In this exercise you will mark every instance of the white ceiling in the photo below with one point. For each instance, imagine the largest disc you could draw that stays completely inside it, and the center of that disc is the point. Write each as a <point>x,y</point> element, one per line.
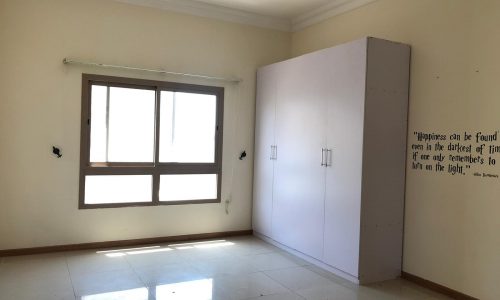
<point>286,15</point>
<point>274,8</point>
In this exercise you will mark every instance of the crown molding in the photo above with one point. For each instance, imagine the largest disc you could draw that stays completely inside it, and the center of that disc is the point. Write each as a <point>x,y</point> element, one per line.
<point>324,12</point>
<point>201,9</point>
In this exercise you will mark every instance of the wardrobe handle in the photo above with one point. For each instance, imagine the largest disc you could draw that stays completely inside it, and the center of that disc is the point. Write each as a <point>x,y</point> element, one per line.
<point>274,152</point>
<point>323,157</point>
<point>329,157</point>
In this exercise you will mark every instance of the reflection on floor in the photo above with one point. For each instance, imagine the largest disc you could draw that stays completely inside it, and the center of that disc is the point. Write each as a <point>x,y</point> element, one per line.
<point>234,268</point>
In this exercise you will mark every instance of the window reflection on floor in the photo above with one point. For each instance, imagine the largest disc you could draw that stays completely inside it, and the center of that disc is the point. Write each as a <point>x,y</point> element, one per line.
<point>133,294</point>
<point>189,290</point>
<point>156,249</point>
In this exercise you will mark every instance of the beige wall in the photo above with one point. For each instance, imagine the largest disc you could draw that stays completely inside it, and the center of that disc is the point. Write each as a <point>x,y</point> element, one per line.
<point>452,222</point>
<point>40,106</point>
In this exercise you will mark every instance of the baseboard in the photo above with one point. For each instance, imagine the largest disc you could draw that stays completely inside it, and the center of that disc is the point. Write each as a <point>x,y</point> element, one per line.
<point>122,243</point>
<point>436,287</point>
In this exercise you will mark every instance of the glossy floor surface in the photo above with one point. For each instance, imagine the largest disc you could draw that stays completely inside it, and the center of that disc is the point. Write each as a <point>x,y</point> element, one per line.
<point>233,268</point>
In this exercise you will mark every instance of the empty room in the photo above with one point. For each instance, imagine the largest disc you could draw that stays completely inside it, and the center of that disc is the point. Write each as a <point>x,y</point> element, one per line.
<point>249,149</point>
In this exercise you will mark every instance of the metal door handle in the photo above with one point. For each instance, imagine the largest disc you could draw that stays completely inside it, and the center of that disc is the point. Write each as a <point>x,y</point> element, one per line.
<point>329,157</point>
<point>274,152</point>
<point>323,157</point>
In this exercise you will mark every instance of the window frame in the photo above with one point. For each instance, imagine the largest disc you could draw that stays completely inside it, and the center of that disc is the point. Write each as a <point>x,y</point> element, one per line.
<point>155,169</point>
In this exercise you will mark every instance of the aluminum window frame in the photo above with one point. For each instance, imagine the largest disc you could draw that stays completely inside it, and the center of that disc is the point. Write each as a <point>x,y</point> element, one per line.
<point>155,169</point>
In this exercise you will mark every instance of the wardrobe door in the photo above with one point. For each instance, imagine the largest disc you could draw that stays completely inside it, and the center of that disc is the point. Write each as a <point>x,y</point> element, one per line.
<point>300,136</point>
<point>264,141</point>
<point>345,144</point>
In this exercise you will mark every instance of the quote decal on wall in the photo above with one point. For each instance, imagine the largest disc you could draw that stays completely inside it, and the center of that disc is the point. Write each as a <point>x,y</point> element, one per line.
<point>466,153</point>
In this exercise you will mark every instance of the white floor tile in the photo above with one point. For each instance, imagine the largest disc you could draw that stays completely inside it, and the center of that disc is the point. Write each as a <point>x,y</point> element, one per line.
<point>340,292</point>
<point>193,255</point>
<point>44,293</point>
<point>397,289</point>
<point>95,263</point>
<point>140,293</point>
<point>105,282</point>
<point>230,265</point>
<point>34,269</point>
<point>247,286</point>
<point>271,261</point>
<point>298,278</point>
<point>202,289</point>
<point>148,259</point>
<point>37,287</point>
<point>166,274</point>
<point>331,276</point>
<point>224,269</point>
<point>297,260</point>
<point>328,292</point>
<point>284,296</point>
<point>251,246</point>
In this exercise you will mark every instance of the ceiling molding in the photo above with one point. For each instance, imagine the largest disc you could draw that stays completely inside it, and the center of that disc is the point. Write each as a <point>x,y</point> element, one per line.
<point>201,9</point>
<point>324,12</point>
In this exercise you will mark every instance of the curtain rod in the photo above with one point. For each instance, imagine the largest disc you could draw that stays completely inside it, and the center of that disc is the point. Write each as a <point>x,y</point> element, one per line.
<point>68,61</point>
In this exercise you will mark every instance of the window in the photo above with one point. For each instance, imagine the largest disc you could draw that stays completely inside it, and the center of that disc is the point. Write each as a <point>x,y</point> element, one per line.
<point>149,142</point>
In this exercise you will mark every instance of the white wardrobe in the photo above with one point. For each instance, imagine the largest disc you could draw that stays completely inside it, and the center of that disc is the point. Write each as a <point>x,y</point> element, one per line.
<point>330,151</point>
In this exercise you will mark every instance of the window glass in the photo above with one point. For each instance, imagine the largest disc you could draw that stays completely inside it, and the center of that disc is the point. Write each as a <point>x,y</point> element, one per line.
<point>131,125</point>
<point>98,124</point>
<point>105,189</point>
<point>188,187</point>
<point>187,127</point>
<point>122,127</point>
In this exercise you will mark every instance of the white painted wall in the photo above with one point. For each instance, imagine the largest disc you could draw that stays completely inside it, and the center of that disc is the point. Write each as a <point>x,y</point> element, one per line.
<point>40,101</point>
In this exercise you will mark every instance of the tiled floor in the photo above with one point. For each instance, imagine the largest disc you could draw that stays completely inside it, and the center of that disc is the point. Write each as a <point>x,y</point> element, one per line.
<point>234,268</point>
